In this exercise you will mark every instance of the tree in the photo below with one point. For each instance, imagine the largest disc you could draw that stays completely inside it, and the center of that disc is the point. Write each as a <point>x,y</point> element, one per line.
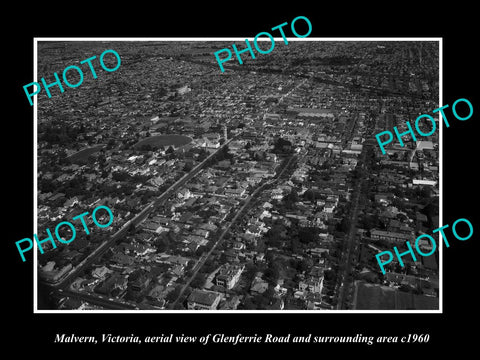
<point>259,155</point>
<point>344,225</point>
<point>296,246</point>
<point>162,244</point>
<point>188,166</point>
<point>291,198</point>
<point>271,275</point>
<point>172,295</point>
<point>425,192</point>
<point>330,275</point>
<point>201,249</point>
<point>223,154</point>
<point>273,242</point>
<point>120,175</point>
<point>198,281</point>
<point>276,231</point>
<point>303,265</point>
<point>307,235</point>
<point>110,144</point>
<point>310,195</point>
<point>248,304</point>
<point>250,271</point>
<point>209,266</point>
<point>223,259</point>
<point>369,222</point>
<point>260,301</point>
<point>282,146</point>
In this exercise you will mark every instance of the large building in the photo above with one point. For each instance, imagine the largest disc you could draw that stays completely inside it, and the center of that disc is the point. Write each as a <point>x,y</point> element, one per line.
<point>203,300</point>
<point>390,235</point>
<point>228,275</point>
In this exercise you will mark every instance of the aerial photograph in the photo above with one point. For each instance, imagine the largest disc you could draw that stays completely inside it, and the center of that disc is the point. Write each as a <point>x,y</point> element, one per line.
<point>260,188</point>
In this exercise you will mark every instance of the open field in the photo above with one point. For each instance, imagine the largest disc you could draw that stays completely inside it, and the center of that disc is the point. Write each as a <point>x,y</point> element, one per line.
<point>164,140</point>
<point>85,153</point>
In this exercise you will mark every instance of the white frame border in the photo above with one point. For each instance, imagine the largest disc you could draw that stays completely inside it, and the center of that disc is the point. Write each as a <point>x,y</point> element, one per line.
<point>179,39</point>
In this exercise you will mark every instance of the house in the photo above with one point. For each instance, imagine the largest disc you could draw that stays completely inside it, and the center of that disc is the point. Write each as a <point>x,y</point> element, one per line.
<point>178,270</point>
<point>253,230</point>
<point>201,232</point>
<point>54,275</point>
<point>234,192</point>
<point>157,292</point>
<point>156,181</point>
<point>276,304</point>
<point>231,255</point>
<point>313,285</point>
<point>318,252</point>
<point>100,272</point>
<point>381,198</point>
<point>329,208</point>
<point>123,259</point>
<point>120,282</point>
<point>71,202</point>
<point>140,283</point>
<point>138,249</point>
<point>314,305</point>
<point>203,300</point>
<point>116,281</point>
<point>231,304</point>
<point>277,194</point>
<point>259,286</point>
<point>184,194</point>
<point>267,205</point>
<point>179,260</point>
<point>299,294</point>
<point>238,246</point>
<point>57,196</point>
<point>260,257</point>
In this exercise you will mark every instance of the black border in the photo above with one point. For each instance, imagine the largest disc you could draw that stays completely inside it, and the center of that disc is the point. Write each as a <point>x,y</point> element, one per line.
<point>455,25</point>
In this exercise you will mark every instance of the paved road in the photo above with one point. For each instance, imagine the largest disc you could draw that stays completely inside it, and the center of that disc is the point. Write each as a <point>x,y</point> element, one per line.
<point>98,300</point>
<point>345,284</point>
<point>102,248</point>
<point>238,215</point>
<point>239,212</point>
<point>64,281</point>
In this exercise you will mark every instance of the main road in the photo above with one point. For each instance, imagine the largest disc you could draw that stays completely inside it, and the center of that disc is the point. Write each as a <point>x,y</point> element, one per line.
<point>241,210</point>
<point>345,284</point>
<point>238,214</point>
<point>95,299</point>
<point>103,247</point>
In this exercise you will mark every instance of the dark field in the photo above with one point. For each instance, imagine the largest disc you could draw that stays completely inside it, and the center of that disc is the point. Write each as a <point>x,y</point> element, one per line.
<point>377,297</point>
<point>164,140</point>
